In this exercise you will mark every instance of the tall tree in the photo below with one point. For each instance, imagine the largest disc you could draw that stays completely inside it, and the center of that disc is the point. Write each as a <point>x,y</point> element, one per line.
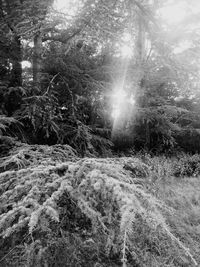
<point>9,15</point>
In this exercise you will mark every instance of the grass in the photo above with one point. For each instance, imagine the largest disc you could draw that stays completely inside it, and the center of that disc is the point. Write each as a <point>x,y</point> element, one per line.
<point>184,196</point>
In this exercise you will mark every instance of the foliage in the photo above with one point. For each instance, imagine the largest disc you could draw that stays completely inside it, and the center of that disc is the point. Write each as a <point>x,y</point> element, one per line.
<point>94,204</point>
<point>8,129</point>
<point>78,65</point>
<point>5,122</point>
<point>188,139</point>
<point>23,155</point>
<point>163,167</point>
<point>183,196</point>
<point>187,165</point>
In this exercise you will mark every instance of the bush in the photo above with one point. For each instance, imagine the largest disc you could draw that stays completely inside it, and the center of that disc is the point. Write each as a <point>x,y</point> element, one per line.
<point>187,165</point>
<point>87,212</point>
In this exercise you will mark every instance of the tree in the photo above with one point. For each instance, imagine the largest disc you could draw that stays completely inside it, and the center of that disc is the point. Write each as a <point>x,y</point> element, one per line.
<point>9,11</point>
<point>77,63</point>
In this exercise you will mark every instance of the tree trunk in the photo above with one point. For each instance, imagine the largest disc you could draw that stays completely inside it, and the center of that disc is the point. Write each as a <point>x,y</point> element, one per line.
<point>147,144</point>
<point>16,60</point>
<point>140,47</point>
<point>37,61</point>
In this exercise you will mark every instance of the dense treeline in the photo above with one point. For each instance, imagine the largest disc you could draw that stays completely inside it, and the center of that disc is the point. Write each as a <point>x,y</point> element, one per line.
<point>66,95</point>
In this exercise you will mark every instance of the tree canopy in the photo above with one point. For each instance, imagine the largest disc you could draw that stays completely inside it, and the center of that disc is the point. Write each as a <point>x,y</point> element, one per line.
<point>101,74</point>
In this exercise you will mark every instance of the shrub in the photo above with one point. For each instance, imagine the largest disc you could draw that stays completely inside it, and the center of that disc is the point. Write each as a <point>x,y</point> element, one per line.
<point>187,165</point>
<point>86,212</point>
<point>7,134</point>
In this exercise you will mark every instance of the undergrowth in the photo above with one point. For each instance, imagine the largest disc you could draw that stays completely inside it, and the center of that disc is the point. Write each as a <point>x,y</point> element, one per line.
<point>181,165</point>
<point>58,210</point>
<point>23,155</point>
<point>184,196</point>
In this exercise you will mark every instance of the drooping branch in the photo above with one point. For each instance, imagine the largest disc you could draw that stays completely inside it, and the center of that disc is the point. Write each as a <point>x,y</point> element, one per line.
<point>63,37</point>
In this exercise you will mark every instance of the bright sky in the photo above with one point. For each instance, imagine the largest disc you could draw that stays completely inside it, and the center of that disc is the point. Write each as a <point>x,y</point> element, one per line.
<point>68,7</point>
<point>182,47</point>
<point>62,5</point>
<point>173,14</point>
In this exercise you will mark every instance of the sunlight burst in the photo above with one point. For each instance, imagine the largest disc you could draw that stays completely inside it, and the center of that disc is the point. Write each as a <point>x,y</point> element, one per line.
<point>115,113</point>
<point>119,97</point>
<point>61,5</point>
<point>131,100</point>
<point>121,102</point>
<point>126,51</point>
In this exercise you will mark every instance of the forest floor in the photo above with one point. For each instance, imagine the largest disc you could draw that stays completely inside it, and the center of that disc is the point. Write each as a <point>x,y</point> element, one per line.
<point>61,210</point>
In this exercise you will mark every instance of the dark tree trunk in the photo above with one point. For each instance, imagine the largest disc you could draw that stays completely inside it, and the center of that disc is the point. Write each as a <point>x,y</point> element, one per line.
<point>37,61</point>
<point>16,60</point>
<point>147,144</point>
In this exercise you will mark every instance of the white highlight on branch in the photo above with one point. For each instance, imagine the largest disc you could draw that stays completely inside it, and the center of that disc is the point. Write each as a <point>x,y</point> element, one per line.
<point>26,64</point>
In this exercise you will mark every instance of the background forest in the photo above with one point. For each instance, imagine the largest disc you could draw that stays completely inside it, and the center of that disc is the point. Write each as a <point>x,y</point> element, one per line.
<point>99,133</point>
<point>100,72</point>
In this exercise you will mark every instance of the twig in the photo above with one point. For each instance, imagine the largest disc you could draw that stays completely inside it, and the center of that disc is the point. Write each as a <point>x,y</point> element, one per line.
<point>4,257</point>
<point>50,83</point>
<point>182,246</point>
<point>124,260</point>
<point>71,95</point>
